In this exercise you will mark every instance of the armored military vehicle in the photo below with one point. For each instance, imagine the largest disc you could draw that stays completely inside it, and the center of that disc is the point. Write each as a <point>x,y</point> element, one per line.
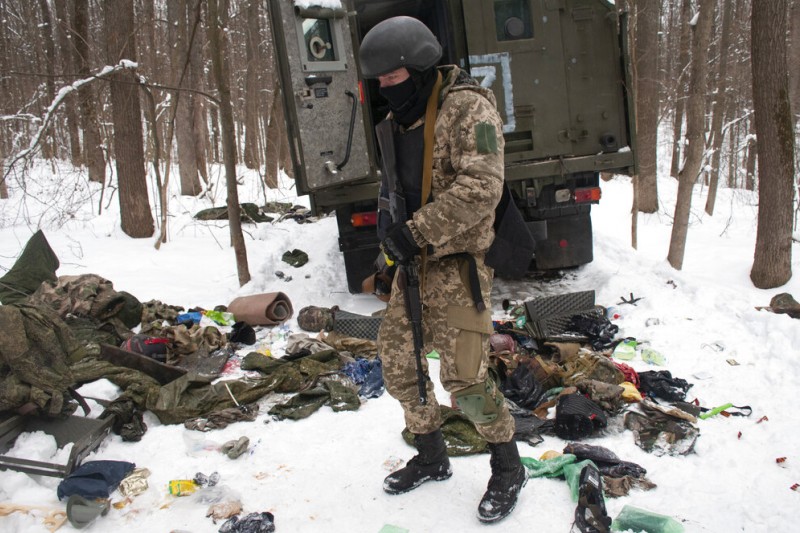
<point>559,70</point>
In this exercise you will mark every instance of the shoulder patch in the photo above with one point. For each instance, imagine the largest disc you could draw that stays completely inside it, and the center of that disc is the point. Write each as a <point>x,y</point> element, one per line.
<point>485,138</point>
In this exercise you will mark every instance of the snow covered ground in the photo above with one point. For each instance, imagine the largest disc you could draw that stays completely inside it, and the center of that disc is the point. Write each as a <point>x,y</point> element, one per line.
<point>324,473</point>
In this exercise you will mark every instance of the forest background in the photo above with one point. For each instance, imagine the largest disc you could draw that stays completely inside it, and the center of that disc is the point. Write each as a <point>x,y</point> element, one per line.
<point>120,86</point>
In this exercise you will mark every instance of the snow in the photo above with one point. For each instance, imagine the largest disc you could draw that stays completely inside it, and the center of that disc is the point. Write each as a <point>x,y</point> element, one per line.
<point>325,473</point>
<point>304,4</point>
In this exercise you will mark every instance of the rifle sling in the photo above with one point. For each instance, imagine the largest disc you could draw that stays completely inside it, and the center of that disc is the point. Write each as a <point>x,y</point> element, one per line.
<point>427,160</point>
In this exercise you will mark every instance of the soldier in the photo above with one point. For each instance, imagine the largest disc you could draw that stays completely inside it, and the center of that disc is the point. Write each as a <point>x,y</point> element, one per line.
<point>450,229</point>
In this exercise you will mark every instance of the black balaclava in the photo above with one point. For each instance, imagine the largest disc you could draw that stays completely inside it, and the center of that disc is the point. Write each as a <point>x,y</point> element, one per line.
<point>408,99</point>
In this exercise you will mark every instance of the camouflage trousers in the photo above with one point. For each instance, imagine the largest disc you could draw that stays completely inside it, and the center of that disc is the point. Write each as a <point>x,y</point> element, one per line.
<point>456,330</point>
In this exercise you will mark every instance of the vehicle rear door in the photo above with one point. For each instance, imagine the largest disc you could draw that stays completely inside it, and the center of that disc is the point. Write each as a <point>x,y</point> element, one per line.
<point>321,95</point>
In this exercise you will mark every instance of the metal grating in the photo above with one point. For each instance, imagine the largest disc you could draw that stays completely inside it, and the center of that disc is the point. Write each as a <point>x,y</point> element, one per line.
<point>355,325</point>
<point>548,316</point>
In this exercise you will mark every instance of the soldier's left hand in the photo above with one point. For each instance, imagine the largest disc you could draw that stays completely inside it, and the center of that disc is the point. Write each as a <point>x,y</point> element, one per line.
<point>399,244</point>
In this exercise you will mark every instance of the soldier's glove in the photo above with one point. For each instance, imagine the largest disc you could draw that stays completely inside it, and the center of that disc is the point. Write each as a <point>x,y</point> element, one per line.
<point>399,245</point>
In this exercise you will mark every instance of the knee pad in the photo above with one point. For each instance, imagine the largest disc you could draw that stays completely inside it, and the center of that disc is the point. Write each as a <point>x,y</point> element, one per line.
<point>480,402</point>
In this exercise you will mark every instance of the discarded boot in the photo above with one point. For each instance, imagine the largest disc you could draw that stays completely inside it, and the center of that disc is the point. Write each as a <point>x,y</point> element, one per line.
<point>430,464</point>
<point>508,478</point>
<point>590,514</point>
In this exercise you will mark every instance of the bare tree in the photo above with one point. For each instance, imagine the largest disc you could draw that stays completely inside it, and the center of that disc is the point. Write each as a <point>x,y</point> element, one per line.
<point>274,138</point>
<point>680,87</point>
<point>48,144</point>
<point>217,24</point>
<point>695,125</point>
<point>772,264</point>
<point>65,56</point>
<point>92,150</point>
<point>647,104</point>
<point>720,109</point>
<point>252,85</point>
<point>137,220</point>
<point>183,23</point>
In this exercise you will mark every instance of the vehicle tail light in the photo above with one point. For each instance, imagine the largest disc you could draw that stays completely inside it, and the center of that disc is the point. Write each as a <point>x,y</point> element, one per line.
<point>360,92</point>
<point>360,220</point>
<point>587,194</point>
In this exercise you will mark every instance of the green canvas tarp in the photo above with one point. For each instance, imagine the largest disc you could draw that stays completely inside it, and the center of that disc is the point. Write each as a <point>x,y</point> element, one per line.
<point>36,263</point>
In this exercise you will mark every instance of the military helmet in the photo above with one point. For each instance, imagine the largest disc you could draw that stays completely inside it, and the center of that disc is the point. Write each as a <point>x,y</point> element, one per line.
<point>398,42</point>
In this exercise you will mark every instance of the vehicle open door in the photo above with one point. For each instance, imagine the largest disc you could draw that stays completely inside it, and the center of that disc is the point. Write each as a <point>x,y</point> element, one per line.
<point>322,98</point>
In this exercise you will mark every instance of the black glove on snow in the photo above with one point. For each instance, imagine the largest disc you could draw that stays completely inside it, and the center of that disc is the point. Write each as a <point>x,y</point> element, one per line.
<point>399,245</point>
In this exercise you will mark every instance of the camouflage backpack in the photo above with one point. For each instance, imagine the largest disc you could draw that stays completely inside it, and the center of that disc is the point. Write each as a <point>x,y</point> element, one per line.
<point>590,365</point>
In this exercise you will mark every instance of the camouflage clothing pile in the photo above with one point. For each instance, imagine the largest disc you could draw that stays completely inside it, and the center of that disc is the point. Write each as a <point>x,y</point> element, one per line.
<point>36,350</point>
<point>88,295</point>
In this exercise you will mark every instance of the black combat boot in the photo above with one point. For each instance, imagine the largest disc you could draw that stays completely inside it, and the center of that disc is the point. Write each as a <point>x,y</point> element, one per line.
<point>430,464</point>
<point>508,478</point>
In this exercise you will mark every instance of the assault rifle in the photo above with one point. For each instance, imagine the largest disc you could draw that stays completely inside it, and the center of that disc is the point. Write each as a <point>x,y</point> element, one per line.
<point>408,275</point>
<point>409,282</point>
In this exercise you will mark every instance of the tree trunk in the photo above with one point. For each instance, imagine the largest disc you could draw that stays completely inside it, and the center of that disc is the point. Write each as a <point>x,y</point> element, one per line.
<point>65,59</point>
<point>214,141</point>
<point>180,33</point>
<point>772,264</point>
<point>646,33</point>
<point>274,139</point>
<point>149,65</point>
<point>794,86</point>
<point>217,22</point>
<point>695,125</point>
<point>196,80</point>
<point>3,186</point>
<point>750,165</point>
<point>137,220</point>
<point>680,88</point>
<point>252,100</point>
<point>48,141</point>
<point>720,105</point>
<point>794,57</point>
<point>92,151</point>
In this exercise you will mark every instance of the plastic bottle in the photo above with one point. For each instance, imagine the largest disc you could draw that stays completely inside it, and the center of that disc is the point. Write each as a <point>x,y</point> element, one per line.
<point>635,519</point>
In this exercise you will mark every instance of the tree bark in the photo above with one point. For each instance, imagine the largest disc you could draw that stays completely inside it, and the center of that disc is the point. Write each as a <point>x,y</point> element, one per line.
<point>197,81</point>
<point>67,69</point>
<point>695,126</point>
<point>180,33</point>
<point>48,141</point>
<point>217,23</point>
<point>646,33</point>
<point>92,150</point>
<point>136,218</point>
<point>794,57</point>
<point>751,158</point>
<point>252,100</point>
<point>772,264</point>
<point>274,138</point>
<point>680,88</point>
<point>720,105</point>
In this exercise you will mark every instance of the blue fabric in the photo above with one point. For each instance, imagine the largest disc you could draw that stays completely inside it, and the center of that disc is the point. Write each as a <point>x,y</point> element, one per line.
<point>193,317</point>
<point>368,374</point>
<point>94,479</point>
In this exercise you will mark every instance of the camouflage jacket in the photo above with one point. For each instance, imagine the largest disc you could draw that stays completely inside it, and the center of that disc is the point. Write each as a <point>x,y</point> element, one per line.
<point>467,179</point>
